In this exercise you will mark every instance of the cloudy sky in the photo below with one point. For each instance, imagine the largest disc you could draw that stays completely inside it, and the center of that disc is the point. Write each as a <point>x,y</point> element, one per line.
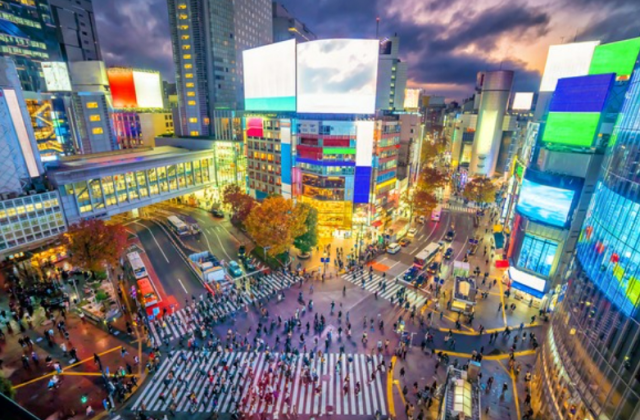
<point>445,42</point>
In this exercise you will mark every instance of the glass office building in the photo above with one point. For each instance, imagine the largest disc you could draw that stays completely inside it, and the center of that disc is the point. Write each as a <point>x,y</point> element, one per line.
<point>589,367</point>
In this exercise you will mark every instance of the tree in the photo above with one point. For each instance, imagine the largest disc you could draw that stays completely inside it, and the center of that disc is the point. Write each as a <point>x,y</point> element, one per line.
<point>481,190</point>
<point>275,223</point>
<point>240,202</point>
<point>431,179</point>
<point>6,387</point>
<point>420,202</point>
<point>93,243</point>
<point>430,150</point>
<point>309,239</point>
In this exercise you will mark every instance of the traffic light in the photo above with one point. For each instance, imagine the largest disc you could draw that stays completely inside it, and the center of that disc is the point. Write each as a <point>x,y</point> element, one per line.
<point>84,399</point>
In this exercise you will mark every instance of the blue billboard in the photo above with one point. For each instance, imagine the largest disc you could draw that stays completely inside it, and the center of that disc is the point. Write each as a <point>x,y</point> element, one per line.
<point>582,94</point>
<point>546,204</point>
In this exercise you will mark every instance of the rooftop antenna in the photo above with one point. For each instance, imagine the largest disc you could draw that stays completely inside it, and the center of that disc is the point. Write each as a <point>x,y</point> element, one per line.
<point>378,27</point>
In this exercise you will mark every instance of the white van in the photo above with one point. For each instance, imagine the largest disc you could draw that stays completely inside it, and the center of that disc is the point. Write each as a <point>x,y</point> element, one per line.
<point>393,248</point>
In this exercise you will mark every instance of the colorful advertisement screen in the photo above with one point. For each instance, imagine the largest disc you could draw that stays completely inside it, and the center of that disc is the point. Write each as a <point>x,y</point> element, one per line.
<point>566,60</point>
<point>148,89</point>
<point>270,77</point>
<point>571,128</point>
<point>56,76</point>
<point>123,89</point>
<point>544,203</point>
<point>582,94</point>
<point>337,76</point>
<point>522,101</point>
<point>616,57</point>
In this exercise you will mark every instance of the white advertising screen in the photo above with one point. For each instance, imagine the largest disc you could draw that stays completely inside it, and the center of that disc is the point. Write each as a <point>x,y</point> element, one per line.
<point>411,98</point>
<point>567,60</point>
<point>148,89</point>
<point>522,101</point>
<point>56,76</point>
<point>364,142</point>
<point>337,76</point>
<point>270,77</point>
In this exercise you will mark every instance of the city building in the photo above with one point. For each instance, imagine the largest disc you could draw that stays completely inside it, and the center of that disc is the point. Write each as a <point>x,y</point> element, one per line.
<point>208,38</point>
<point>76,30</point>
<point>411,136</point>
<point>51,122</point>
<point>28,35</point>
<point>392,76</point>
<point>286,26</point>
<point>92,107</point>
<point>495,90</point>
<point>136,129</point>
<point>588,366</point>
<point>29,215</point>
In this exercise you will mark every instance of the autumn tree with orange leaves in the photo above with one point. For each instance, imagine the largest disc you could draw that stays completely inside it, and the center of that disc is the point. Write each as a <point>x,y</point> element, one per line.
<point>93,243</point>
<point>275,223</point>
<point>240,202</point>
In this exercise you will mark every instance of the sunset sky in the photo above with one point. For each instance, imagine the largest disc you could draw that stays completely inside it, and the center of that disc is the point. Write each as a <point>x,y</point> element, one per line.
<point>445,42</point>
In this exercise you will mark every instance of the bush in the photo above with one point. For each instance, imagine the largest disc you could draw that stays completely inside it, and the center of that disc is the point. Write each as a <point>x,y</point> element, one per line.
<point>101,296</point>
<point>6,387</point>
<point>100,275</point>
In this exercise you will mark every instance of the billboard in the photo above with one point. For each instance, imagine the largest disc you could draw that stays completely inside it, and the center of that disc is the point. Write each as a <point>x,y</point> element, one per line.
<point>571,128</point>
<point>544,203</point>
<point>337,76</point>
<point>582,94</point>
<point>148,87</point>
<point>522,101</point>
<point>411,98</point>
<point>616,57</point>
<point>270,77</point>
<point>566,60</point>
<point>56,76</point>
<point>123,88</point>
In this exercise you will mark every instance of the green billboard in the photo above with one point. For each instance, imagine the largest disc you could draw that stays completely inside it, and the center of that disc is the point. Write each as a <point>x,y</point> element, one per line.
<point>571,128</point>
<point>616,57</point>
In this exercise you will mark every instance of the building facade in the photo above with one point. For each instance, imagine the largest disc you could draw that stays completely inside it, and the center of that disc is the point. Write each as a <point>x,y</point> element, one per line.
<point>76,30</point>
<point>589,365</point>
<point>392,76</point>
<point>286,26</point>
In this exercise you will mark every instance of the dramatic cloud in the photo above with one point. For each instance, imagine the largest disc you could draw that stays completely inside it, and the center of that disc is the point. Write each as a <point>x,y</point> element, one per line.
<point>445,42</point>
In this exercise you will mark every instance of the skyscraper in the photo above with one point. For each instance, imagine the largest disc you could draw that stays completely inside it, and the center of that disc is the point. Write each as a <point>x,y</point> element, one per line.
<point>76,29</point>
<point>208,37</point>
<point>392,76</point>
<point>286,26</point>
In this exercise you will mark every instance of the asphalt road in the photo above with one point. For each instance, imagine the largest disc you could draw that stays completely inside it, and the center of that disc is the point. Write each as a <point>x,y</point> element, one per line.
<point>176,277</point>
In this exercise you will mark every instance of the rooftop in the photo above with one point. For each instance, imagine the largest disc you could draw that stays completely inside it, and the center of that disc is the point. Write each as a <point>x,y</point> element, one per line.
<point>120,157</point>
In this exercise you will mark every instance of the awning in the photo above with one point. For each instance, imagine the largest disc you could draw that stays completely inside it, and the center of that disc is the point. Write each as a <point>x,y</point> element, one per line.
<point>528,283</point>
<point>502,263</point>
<point>527,289</point>
<point>498,237</point>
<point>377,223</point>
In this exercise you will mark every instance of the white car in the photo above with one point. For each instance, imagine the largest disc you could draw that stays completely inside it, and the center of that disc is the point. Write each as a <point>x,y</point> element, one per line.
<point>411,233</point>
<point>393,248</point>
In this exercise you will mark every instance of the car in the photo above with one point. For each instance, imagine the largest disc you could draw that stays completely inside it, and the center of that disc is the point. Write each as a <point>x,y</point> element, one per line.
<point>234,269</point>
<point>412,232</point>
<point>218,213</point>
<point>449,236</point>
<point>393,248</point>
<point>473,249</point>
<point>242,251</point>
<point>448,254</point>
<point>404,242</point>
<point>248,265</point>
<point>433,268</point>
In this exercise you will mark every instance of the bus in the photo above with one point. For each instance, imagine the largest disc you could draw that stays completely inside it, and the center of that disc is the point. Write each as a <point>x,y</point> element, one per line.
<point>179,227</point>
<point>191,223</point>
<point>424,257</point>
<point>137,266</point>
<point>147,293</point>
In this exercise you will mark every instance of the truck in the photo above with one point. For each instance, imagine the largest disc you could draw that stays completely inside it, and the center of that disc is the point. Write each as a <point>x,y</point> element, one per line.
<point>207,266</point>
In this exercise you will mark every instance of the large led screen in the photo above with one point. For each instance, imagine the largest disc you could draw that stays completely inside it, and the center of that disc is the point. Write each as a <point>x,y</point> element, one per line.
<point>582,94</point>
<point>123,89</point>
<point>270,77</point>
<point>543,203</point>
<point>566,60</point>
<point>522,101</point>
<point>56,76</point>
<point>571,128</point>
<point>148,89</point>
<point>337,76</point>
<point>616,57</point>
<point>411,98</point>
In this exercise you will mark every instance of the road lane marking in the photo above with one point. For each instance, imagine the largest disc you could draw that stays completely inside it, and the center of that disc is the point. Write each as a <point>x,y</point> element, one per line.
<point>222,246</point>
<point>183,288</point>
<point>464,245</point>
<point>155,240</point>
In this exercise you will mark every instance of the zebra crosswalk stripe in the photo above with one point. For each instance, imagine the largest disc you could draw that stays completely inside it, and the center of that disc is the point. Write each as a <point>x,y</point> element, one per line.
<point>392,288</point>
<point>304,398</point>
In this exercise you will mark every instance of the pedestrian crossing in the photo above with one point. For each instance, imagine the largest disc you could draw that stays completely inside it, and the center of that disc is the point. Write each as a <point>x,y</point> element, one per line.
<point>459,207</point>
<point>391,292</point>
<point>259,383</point>
<point>185,320</point>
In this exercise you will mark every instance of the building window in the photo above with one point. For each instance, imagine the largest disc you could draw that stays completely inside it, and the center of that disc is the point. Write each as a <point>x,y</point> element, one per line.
<point>92,105</point>
<point>182,6</point>
<point>192,103</point>
<point>94,118</point>
<point>193,120</point>
<point>190,85</point>
<point>186,47</point>
<point>537,255</point>
<point>195,133</point>
<point>97,130</point>
<point>191,94</point>
<point>183,16</point>
<point>189,75</point>
<point>186,57</point>
<point>183,27</point>
<point>185,37</point>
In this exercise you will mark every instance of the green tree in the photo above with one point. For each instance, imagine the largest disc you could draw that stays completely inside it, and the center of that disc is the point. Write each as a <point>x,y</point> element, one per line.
<point>309,239</point>
<point>481,190</point>
<point>6,387</point>
<point>275,223</point>
<point>93,243</point>
<point>240,203</point>
<point>420,202</point>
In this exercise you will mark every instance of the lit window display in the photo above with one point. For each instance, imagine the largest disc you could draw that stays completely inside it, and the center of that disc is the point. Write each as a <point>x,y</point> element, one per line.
<point>537,255</point>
